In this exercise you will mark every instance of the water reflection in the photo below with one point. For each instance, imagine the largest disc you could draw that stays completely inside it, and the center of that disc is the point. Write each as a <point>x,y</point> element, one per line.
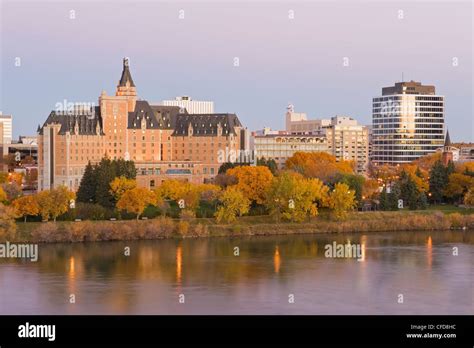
<point>217,282</point>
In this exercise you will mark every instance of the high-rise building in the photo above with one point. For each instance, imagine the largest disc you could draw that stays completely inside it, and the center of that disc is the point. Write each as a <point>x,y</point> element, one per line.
<point>191,106</point>
<point>163,141</point>
<point>407,123</point>
<point>349,141</point>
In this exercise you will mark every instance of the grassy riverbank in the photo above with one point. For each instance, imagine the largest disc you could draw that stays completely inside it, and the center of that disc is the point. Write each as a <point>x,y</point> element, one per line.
<point>162,227</point>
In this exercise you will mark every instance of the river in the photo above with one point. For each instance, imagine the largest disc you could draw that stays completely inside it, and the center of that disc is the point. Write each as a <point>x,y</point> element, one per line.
<point>398,273</point>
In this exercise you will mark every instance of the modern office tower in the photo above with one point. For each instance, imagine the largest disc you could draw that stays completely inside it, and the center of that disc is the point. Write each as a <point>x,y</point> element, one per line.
<point>164,142</point>
<point>281,145</point>
<point>191,106</point>
<point>408,123</point>
<point>349,141</point>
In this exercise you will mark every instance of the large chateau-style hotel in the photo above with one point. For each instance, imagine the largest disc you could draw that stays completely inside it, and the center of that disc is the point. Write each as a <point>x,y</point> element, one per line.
<point>163,141</point>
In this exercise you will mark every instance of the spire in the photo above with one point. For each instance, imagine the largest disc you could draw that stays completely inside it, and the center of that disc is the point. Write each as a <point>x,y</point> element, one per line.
<point>447,141</point>
<point>126,76</point>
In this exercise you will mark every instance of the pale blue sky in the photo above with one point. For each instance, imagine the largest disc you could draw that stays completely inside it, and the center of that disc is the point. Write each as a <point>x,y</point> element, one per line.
<point>281,60</point>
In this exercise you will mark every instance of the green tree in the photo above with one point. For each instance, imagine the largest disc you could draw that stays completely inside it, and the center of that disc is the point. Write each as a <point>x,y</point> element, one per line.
<point>438,181</point>
<point>269,163</point>
<point>355,183</point>
<point>393,197</point>
<point>88,186</point>
<point>408,191</point>
<point>384,203</point>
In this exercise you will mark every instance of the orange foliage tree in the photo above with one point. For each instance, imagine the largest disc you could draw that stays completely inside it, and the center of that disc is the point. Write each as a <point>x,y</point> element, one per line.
<point>252,181</point>
<point>319,165</point>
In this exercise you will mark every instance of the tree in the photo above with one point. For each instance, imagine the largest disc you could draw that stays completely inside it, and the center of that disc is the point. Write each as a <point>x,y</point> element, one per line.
<point>12,190</point>
<point>319,165</point>
<point>469,197</point>
<point>422,201</point>
<point>88,186</point>
<point>341,200</point>
<point>355,183</point>
<point>26,206</point>
<point>3,196</point>
<point>384,202</point>
<point>438,181</point>
<point>393,197</point>
<point>408,190</point>
<point>55,202</point>
<point>136,200</point>
<point>229,165</point>
<point>120,185</point>
<point>269,163</point>
<point>253,181</point>
<point>293,197</point>
<point>458,186</point>
<point>45,202</point>
<point>95,183</point>
<point>61,198</point>
<point>7,223</point>
<point>233,203</point>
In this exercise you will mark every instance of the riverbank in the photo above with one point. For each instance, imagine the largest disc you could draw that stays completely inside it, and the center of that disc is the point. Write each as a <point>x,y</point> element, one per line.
<point>163,227</point>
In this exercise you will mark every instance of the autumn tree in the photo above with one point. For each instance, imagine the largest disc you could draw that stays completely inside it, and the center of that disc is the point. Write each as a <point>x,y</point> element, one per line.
<point>8,226</point>
<point>55,202</point>
<point>119,185</point>
<point>136,200</point>
<point>341,200</point>
<point>26,206</point>
<point>320,165</point>
<point>293,197</point>
<point>458,185</point>
<point>3,196</point>
<point>253,181</point>
<point>233,203</point>
<point>469,197</point>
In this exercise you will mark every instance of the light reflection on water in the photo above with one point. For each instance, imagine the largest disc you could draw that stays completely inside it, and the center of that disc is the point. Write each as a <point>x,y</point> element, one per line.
<point>420,265</point>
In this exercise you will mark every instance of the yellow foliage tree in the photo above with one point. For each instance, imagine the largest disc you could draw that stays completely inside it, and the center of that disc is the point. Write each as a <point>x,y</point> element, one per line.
<point>319,165</point>
<point>234,203</point>
<point>121,184</point>
<point>469,198</point>
<point>252,181</point>
<point>136,200</point>
<point>458,185</point>
<point>26,205</point>
<point>3,195</point>
<point>55,202</point>
<point>342,200</point>
<point>293,197</point>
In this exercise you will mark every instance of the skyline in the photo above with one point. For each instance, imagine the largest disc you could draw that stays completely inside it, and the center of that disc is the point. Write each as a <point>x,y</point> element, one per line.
<point>288,68</point>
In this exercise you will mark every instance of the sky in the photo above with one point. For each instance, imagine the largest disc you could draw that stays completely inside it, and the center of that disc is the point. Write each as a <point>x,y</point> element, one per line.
<point>288,52</point>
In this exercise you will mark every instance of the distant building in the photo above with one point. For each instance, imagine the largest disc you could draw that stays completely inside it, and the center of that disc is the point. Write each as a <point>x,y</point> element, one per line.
<point>191,106</point>
<point>5,131</point>
<point>408,123</point>
<point>349,141</point>
<point>281,145</point>
<point>25,148</point>
<point>298,123</point>
<point>163,141</point>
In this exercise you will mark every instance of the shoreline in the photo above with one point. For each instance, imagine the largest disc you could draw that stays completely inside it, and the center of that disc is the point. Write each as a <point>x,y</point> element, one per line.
<point>165,228</point>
